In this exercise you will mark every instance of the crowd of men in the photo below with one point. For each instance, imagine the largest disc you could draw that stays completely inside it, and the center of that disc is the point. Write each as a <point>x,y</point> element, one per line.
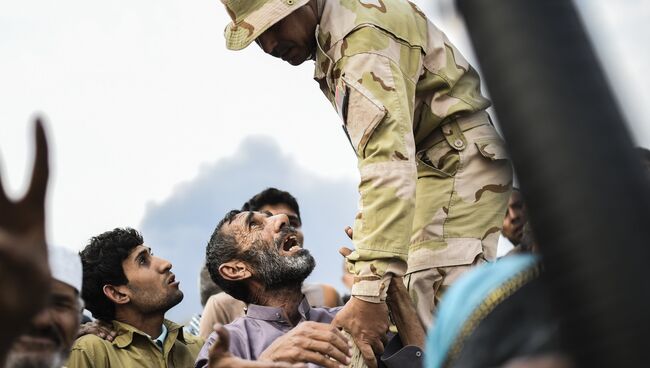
<point>426,288</point>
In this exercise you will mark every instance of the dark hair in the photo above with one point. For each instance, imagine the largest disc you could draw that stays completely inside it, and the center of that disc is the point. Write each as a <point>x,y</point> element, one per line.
<point>102,264</point>
<point>207,287</point>
<point>272,196</point>
<point>223,248</point>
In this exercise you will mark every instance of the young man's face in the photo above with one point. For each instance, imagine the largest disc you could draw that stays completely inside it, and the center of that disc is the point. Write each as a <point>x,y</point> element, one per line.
<point>51,332</point>
<point>292,39</point>
<point>151,286</point>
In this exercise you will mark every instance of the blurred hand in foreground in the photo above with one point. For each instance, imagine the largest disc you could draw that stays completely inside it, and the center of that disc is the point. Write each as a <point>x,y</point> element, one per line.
<point>24,271</point>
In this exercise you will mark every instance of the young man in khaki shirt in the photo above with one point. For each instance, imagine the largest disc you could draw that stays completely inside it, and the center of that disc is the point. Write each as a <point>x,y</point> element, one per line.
<point>126,285</point>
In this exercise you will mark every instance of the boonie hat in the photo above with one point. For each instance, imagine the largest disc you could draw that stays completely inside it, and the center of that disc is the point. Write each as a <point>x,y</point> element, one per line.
<point>250,18</point>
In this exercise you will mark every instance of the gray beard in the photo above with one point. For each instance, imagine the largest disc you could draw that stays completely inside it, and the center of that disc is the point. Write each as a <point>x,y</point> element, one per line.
<point>33,360</point>
<point>279,272</point>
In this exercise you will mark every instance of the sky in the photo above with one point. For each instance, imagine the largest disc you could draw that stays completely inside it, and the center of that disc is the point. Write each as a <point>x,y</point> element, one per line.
<point>154,124</point>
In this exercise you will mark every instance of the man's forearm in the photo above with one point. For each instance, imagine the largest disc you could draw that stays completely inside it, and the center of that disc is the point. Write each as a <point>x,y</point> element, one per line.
<point>404,314</point>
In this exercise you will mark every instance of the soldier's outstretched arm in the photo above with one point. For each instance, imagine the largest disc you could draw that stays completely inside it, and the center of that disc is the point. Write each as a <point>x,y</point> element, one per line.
<point>375,96</point>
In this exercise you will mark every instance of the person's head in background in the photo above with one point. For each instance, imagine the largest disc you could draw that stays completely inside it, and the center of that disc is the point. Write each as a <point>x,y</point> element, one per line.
<point>516,217</point>
<point>207,287</point>
<point>277,202</point>
<point>50,335</point>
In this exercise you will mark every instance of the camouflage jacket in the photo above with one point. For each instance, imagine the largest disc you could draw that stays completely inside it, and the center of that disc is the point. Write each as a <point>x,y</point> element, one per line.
<point>394,78</point>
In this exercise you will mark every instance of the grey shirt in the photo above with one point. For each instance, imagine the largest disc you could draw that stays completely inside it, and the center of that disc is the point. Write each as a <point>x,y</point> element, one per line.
<point>251,334</point>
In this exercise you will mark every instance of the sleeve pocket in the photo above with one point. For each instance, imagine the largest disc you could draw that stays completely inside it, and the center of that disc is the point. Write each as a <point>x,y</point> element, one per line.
<point>364,113</point>
<point>492,149</point>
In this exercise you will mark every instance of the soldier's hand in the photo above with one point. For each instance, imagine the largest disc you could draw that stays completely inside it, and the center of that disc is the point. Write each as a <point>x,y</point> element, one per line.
<point>220,357</point>
<point>310,342</point>
<point>368,324</point>
<point>97,328</point>
<point>24,271</point>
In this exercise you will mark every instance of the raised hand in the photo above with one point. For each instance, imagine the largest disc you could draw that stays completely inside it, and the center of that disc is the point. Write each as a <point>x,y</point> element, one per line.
<point>310,342</point>
<point>98,328</point>
<point>24,271</point>
<point>404,314</point>
<point>367,323</point>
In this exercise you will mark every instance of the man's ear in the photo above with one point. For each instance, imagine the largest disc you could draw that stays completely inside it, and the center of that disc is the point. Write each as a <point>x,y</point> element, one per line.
<point>116,294</point>
<point>235,271</point>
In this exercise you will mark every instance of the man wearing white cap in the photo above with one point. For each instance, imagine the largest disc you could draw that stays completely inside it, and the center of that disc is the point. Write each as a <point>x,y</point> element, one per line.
<point>47,341</point>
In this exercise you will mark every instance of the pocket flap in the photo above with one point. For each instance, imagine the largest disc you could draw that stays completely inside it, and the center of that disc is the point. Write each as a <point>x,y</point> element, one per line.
<point>363,114</point>
<point>492,148</point>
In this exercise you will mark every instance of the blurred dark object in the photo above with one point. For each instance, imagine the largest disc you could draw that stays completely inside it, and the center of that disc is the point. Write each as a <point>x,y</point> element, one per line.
<point>644,155</point>
<point>587,196</point>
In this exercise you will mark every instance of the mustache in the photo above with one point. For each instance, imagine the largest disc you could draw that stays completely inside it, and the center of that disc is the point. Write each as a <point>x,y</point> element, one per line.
<point>284,233</point>
<point>45,332</point>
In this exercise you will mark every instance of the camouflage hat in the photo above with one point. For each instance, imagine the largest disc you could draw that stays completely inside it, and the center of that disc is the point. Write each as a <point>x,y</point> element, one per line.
<point>250,18</point>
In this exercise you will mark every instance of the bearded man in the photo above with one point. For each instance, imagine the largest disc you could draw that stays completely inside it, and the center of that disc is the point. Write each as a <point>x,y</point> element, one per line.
<point>258,257</point>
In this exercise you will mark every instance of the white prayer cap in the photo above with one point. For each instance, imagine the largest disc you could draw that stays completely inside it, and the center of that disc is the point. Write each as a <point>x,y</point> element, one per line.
<point>65,266</point>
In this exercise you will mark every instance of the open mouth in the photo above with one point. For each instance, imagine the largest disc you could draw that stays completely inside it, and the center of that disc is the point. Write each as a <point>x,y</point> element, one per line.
<point>291,244</point>
<point>172,279</point>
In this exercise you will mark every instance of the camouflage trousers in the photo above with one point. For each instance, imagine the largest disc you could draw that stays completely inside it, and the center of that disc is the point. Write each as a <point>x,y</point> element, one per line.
<point>464,182</point>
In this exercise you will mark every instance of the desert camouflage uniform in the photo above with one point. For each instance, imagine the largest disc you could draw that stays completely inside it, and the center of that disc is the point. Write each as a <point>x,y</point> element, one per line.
<point>435,178</point>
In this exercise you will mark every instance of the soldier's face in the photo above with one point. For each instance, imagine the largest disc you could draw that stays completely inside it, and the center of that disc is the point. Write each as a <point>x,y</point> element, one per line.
<point>293,38</point>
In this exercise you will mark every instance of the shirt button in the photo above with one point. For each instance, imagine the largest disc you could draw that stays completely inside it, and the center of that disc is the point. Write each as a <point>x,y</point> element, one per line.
<point>458,143</point>
<point>418,354</point>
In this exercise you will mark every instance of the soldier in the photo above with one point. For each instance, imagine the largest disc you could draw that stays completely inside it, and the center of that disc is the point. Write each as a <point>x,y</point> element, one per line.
<point>412,108</point>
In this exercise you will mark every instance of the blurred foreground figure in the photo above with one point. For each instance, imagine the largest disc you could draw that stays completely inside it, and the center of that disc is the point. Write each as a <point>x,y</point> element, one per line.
<point>588,199</point>
<point>412,109</point>
<point>24,273</point>
<point>258,258</point>
<point>50,334</point>
<point>498,315</point>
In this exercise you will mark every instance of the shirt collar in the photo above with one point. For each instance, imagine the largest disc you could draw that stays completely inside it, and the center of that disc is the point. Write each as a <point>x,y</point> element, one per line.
<point>125,333</point>
<point>274,314</point>
<point>160,340</point>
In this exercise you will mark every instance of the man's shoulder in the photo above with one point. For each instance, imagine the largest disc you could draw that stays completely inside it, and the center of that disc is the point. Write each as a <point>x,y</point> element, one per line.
<point>398,19</point>
<point>89,349</point>
<point>192,340</point>
<point>91,342</point>
<point>325,315</point>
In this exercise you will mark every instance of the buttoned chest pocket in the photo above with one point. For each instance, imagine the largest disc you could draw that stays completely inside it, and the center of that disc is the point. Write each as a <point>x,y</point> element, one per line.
<point>360,111</point>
